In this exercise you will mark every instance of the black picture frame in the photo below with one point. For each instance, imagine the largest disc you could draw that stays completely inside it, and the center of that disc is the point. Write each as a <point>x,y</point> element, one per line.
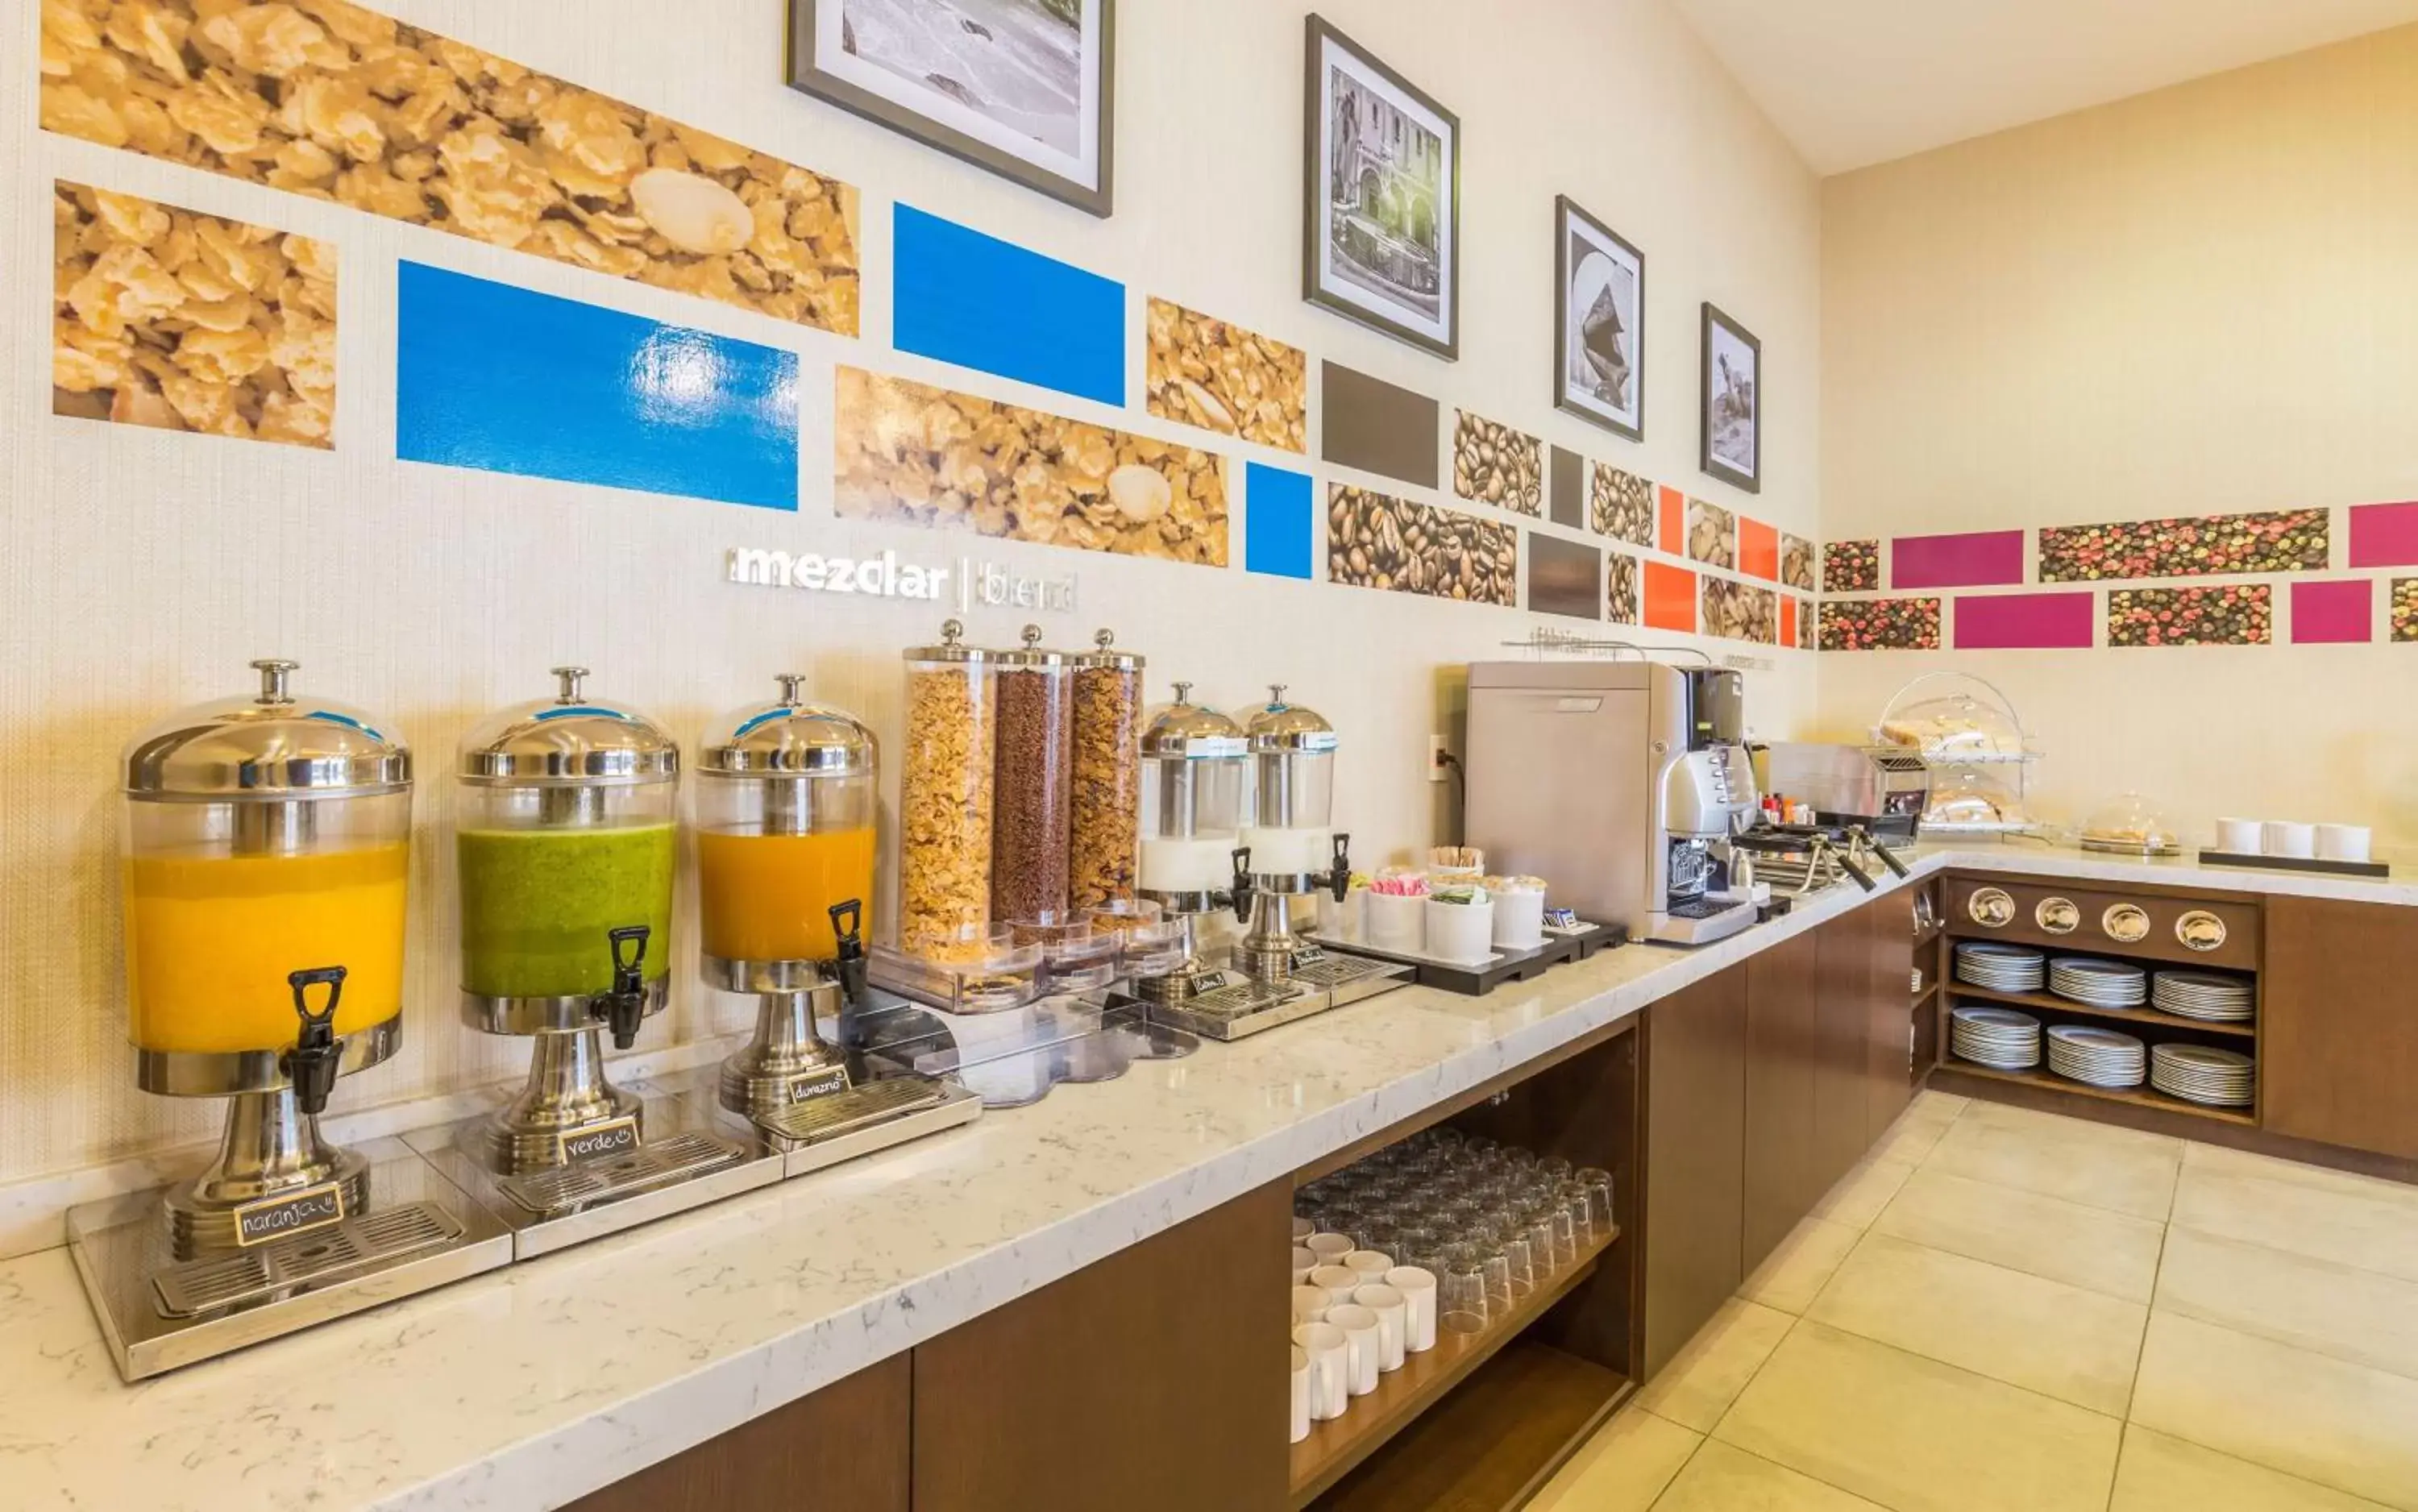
<point>1751,479</point>
<point>1316,152</point>
<point>1568,217</point>
<point>810,75</point>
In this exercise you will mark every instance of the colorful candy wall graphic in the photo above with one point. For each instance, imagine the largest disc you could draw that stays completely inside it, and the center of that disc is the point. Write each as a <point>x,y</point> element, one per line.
<point>2405,609</point>
<point>2234,614</point>
<point>2282,541</point>
<point>1880,625</point>
<point>1851,567</point>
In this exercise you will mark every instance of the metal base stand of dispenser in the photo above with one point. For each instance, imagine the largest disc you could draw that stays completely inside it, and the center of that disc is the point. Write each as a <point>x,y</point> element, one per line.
<point>1279,975</point>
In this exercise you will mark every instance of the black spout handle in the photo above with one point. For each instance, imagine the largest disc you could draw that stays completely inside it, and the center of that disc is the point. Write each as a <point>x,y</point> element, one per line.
<point>1879,849</point>
<point>1243,884</point>
<point>1339,881</point>
<point>624,1008</point>
<point>848,928</point>
<point>1847,864</point>
<point>317,1054</point>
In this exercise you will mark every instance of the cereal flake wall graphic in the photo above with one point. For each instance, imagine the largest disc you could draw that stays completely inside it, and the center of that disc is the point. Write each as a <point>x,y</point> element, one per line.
<point>1851,567</point>
<point>1739,611</point>
<point>166,317</point>
<point>1620,590</point>
<point>328,99</point>
<point>1712,534</point>
<point>2278,540</point>
<point>1496,464</point>
<point>2235,615</point>
<point>1622,506</point>
<point>1880,625</point>
<point>926,456</point>
<point>1214,374</point>
<point>1375,541</point>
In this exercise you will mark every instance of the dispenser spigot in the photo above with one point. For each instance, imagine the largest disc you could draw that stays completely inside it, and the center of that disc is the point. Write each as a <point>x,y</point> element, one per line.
<point>847,927</point>
<point>1243,888</point>
<point>311,1065</point>
<point>1339,881</point>
<point>623,1009</point>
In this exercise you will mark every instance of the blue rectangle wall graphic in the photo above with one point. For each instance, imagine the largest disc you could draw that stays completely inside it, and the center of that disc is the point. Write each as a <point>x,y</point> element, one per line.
<point>987,304</point>
<point>500,378</point>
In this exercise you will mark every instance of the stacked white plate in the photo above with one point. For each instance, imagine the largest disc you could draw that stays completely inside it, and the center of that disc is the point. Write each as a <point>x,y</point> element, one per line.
<point>2194,995</point>
<point>2100,983</point>
<point>2196,1074</point>
<point>1997,1037</point>
<point>2099,1057</point>
<point>2000,967</point>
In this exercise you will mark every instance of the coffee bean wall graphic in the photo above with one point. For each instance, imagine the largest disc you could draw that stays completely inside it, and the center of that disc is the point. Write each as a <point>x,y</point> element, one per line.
<point>1374,540</point>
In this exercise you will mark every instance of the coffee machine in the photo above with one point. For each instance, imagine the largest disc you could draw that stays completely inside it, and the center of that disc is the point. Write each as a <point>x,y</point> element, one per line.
<point>1618,781</point>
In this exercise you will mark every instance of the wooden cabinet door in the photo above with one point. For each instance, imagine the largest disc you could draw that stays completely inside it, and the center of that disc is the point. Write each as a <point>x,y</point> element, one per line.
<point>1888,1082</point>
<point>1841,1067</point>
<point>1784,1030</point>
<point>1696,1129</point>
<point>2338,1025</point>
<point>844,1446</point>
<point>1154,1377</point>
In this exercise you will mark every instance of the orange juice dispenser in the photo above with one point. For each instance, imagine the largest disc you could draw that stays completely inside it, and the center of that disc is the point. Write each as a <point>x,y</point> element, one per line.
<point>267,844</point>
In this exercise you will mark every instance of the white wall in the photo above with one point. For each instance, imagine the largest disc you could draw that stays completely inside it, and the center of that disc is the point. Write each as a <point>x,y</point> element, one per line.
<point>2197,301</point>
<point>139,570</point>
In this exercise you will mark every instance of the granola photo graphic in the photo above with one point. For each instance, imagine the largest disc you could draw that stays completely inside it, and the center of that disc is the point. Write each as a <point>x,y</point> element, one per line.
<point>2235,615</point>
<point>1712,534</point>
<point>166,317</point>
<point>1739,611</point>
<point>1620,593</point>
<point>1851,567</point>
<point>920,455</point>
<point>1796,562</point>
<point>1208,373</point>
<point>331,100</point>
<point>1373,541</point>
<point>1880,625</point>
<point>1496,464</point>
<point>1622,506</point>
<point>2282,541</point>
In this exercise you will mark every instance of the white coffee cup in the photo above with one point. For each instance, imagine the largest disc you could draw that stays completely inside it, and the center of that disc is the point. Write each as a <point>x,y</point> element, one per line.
<point>2291,840</point>
<point>1310,1305</point>
<point>1371,1264</point>
<point>1302,1230</point>
<point>1393,1321</point>
<point>2344,842</point>
<point>1330,1369</point>
<point>1300,1394</point>
<point>1304,1261</point>
<point>1359,1327</point>
<point>1419,1289</point>
<point>1337,1282</point>
<point>1330,1248</point>
<point>2240,837</point>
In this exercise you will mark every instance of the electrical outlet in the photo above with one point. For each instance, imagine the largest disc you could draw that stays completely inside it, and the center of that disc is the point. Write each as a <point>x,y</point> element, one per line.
<point>1436,764</point>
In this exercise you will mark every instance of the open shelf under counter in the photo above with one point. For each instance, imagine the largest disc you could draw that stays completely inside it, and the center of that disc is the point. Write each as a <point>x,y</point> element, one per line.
<point>2143,1096</point>
<point>2050,1002</point>
<point>1334,1449</point>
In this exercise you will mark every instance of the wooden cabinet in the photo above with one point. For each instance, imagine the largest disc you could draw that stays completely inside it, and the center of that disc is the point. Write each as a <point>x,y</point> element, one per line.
<point>1843,1060</point>
<point>1889,1040</point>
<point>2339,1029</point>
<point>844,1446</point>
<point>1783,1048</point>
<point>1152,1378</point>
<point>1696,1131</point>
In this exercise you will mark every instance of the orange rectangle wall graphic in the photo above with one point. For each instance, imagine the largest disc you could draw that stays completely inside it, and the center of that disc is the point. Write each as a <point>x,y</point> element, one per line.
<point>1670,598</point>
<point>1758,550</point>
<point>1672,521</point>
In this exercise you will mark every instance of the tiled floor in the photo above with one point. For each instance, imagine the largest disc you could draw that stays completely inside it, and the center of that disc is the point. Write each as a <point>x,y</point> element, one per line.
<point>2005,1309</point>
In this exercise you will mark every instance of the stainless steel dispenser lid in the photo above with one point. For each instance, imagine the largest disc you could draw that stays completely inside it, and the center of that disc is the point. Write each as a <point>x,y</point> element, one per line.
<point>1186,730</point>
<point>1283,727</point>
<point>1030,657</point>
<point>275,747</point>
<point>1106,657</point>
<point>788,738</point>
<point>951,648</point>
<point>570,739</point>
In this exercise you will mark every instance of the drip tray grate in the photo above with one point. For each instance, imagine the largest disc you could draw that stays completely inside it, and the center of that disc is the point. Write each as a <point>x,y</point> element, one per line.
<point>825,1118</point>
<point>1340,971</point>
<point>223,1281</point>
<point>658,1163</point>
<point>1240,1001</point>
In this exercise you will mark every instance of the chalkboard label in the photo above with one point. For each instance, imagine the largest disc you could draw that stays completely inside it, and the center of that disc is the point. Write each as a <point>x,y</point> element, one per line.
<point>1308,956</point>
<point>281,1217</point>
<point>815,1084</point>
<point>1208,982</point>
<point>601,1141</point>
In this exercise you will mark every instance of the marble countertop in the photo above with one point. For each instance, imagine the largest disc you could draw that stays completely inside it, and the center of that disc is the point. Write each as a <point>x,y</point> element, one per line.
<point>532,1385</point>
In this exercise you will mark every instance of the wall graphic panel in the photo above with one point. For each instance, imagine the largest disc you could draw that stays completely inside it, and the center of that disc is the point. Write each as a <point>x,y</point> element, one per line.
<point>1278,530</point>
<point>1621,592</point>
<point>995,307</point>
<point>1378,427</point>
<point>1805,623</point>
<point>1373,541</point>
<point>1982,558</point>
<point>1670,598</point>
<point>1671,521</point>
<point>1214,374</point>
<point>170,319</point>
<point>339,102</point>
<point>1496,464</point>
<point>1566,493</point>
<point>1880,625</point>
<point>1622,506</point>
<point>1797,562</point>
<point>2235,615</point>
<point>909,452</point>
<point>2026,621</point>
<point>1740,611</point>
<point>1851,567</point>
<point>1758,549</point>
<point>2334,614</point>
<point>1712,534</point>
<point>503,379</point>
<point>2281,540</point>
<point>2384,535</point>
<point>1565,577</point>
<point>2404,610</point>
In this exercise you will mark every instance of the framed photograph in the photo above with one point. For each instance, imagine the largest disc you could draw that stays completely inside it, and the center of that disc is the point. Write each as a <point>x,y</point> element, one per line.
<point>1732,402</point>
<point>1025,88</point>
<point>1599,321</point>
<point>1381,217</point>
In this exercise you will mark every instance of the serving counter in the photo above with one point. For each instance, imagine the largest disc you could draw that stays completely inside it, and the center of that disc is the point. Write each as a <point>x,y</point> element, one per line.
<point>797,1309</point>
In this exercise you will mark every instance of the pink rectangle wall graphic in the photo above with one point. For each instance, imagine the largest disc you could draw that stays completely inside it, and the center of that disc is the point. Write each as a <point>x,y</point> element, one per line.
<point>2384,535</point>
<point>2334,614</point>
<point>2024,621</point>
<point>1986,558</point>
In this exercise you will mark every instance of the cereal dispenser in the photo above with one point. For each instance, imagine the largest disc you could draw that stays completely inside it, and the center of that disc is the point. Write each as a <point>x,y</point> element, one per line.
<point>945,793</point>
<point>1033,784</point>
<point>1288,847</point>
<point>1106,842</point>
<point>267,844</point>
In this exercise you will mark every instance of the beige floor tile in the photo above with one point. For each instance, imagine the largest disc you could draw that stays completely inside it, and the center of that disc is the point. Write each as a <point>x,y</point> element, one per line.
<point>1722,1479</point>
<point>2348,1219</point>
<point>1920,1127</point>
<point>2158,1473</point>
<point>1791,1276</point>
<point>1700,1382</point>
<point>1860,1194</point>
<point>1622,1469</point>
<point>2095,1164</point>
<point>1917,1435</point>
<point>2085,1246</point>
<point>2044,1336</point>
<point>2356,1315</point>
<point>2338,1423</point>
